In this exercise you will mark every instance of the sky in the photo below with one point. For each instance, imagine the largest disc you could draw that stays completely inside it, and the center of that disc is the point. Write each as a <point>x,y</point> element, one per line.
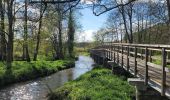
<point>90,23</point>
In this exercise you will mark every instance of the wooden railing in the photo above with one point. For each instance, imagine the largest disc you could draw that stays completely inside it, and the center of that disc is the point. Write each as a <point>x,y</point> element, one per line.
<point>140,60</point>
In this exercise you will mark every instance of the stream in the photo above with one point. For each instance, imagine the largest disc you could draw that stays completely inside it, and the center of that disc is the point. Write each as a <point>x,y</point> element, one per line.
<point>39,88</point>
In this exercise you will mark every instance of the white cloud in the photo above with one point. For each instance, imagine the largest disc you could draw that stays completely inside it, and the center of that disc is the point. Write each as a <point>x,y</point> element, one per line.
<point>85,36</point>
<point>88,1</point>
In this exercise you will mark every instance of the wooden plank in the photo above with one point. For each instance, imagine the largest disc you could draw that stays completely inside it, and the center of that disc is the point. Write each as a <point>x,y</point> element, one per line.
<point>154,65</point>
<point>167,69</point>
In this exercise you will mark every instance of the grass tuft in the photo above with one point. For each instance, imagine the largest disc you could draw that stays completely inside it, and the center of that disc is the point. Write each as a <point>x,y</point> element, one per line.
<point>98,84</point>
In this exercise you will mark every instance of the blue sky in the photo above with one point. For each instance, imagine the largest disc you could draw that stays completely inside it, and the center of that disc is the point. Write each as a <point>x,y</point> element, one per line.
<point>90,23</point>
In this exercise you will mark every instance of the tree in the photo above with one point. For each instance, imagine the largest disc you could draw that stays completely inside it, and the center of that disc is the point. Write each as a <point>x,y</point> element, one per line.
<point>9,57</point>
<point>38,35</point>
<point>25,45</point>
<point>71,31</point>
<point>168,6</point>
<point>2,31</point>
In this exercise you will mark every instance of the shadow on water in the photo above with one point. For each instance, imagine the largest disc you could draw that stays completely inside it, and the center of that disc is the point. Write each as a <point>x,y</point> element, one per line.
<point>38,89</point>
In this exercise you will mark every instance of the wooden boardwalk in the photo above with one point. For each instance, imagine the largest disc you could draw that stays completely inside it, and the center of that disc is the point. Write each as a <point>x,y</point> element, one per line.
<point>138,60</point>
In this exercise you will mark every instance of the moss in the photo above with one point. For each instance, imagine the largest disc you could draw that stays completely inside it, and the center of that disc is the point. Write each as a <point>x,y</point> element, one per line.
<point>98,84</point>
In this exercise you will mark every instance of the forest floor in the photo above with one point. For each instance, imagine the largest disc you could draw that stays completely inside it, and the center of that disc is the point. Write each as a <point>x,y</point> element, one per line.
<point>23,71</point>
<point>97,84</point>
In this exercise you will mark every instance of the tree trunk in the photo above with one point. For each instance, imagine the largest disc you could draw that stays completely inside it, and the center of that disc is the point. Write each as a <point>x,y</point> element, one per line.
<point>25,50</point>
<point>38,37</point>
<point>168,6</point>
<point>124,22</point>
<point>130,21</point>
<point>2,29</point>
<point>71,34</point>
<point>10,34</point>
<point>60,53</point>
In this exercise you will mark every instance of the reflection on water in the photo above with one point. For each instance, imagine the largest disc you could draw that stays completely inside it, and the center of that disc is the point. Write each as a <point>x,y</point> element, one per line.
<point>38,89</point>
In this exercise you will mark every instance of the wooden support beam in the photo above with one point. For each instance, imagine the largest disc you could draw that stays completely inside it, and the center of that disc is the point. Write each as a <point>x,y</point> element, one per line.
<point>110,52</point>
<point>128,67</point>
<point>114,54</point>
<point>146,66</point>
<point>122,56</point>
<point>163,84</point>
<point>135,71</point>
<point>150,55</point>
<point>118,55</point>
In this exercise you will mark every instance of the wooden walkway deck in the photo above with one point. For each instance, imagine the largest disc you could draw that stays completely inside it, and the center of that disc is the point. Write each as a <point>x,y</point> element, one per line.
<point>138,59</point>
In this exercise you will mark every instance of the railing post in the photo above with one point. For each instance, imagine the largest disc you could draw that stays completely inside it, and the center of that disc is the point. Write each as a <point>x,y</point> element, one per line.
<point>135,72</point>
<point>142,54</point>
<point>104,48</point>
<point>114,58</point>
<point>111,52</point>
<point>163,85</point>
<point>118,54</point>
<point>96,59</point>
<point>128,58</point>
<point>146,66</point>
<point>122,56</point>
<point>150,56</point>
<point>107,52</point>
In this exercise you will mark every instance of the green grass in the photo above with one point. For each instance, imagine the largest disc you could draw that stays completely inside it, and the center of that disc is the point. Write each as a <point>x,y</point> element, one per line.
<point>98,84</point>
<point>81,51</point>
<point>22,70</point>
<point>159,62</point>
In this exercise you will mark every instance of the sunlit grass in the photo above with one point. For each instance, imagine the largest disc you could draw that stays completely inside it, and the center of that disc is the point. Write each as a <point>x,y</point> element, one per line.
<point>22,70</point>
<point>98,84</point>
<point>81,51</point>
<point>158,61</point>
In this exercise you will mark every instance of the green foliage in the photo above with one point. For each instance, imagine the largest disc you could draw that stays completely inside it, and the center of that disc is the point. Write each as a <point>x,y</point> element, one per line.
<point>157,34</point>
<point>22,70</point>
<point>98,84</point>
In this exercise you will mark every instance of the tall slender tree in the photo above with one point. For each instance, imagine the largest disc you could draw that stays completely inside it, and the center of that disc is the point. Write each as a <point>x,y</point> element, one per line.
<point>71,31</point>
<point>25,45</point>
<point>2,31</point>
<point>38,35</point>
<point>10,41</point>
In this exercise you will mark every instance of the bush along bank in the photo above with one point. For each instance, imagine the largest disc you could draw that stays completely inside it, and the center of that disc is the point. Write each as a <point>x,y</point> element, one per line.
<point>23,71</point>
<point>98,84</point>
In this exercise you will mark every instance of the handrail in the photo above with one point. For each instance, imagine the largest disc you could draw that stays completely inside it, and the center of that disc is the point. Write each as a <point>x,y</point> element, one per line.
<point>139,45</point>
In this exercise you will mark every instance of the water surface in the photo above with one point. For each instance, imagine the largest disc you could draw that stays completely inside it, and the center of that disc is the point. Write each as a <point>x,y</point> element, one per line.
<point>38,89</point>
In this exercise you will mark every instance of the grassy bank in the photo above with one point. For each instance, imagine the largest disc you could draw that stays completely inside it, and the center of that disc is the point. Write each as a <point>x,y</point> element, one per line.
<point>81,51</point>
<point>98,84</point>
<point>22,71</point>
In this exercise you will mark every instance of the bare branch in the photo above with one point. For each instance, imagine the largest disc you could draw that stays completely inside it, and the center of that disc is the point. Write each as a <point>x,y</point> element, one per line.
<point>108,9</point>
<point>52,1</point>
